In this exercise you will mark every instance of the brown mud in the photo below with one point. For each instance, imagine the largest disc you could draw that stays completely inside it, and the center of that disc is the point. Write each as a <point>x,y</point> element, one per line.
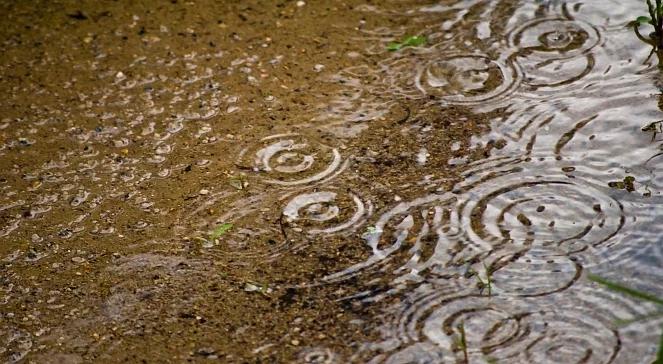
<point>144,292</point>
<point>262,182</point>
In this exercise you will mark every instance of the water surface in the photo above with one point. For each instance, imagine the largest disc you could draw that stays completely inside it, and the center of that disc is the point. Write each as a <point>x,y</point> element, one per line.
<point>265,182</point>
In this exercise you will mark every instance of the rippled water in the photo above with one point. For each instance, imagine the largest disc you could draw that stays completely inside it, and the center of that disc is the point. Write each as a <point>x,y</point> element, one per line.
<point>569,88</point>
<point>539,212</point>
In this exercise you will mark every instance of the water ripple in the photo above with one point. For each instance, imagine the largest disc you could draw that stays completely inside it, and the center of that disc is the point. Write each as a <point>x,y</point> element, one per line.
<point>577,326</point>
<point>555,52</point>
<point>292,159</point>
<point>466,78</point>
<point>328,211</point>
<point>244,238</point>
<point>550,212</point>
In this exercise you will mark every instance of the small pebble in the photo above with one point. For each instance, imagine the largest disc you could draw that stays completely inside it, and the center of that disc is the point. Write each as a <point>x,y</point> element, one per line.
<point>251,288</point>
<point>78,259</point>
<point>300,3</point>
<point>206,351</point>
<point>204,192</point>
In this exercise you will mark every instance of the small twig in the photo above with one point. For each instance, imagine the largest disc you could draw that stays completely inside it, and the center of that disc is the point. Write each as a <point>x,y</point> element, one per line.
<point>245,168</point>
<point>281,225</point>
<point>489,279</point>
<point>652,15</point>
<point>408,113</point>
<point>463,342</point>
<point>647,40</point>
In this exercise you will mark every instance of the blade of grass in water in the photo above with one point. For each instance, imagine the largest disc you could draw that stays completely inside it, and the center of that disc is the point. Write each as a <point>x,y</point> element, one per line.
<point>636,294</point>
<point>220,231</point>
<point>625,290</point>
<point>413,41</point>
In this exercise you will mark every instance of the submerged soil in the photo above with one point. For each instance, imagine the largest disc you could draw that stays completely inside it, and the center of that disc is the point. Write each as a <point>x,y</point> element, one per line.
<point>263,182</point>
<point>109,269</point>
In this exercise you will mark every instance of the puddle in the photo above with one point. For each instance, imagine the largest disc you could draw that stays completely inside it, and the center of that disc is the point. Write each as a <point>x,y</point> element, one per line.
<point>266,182</point>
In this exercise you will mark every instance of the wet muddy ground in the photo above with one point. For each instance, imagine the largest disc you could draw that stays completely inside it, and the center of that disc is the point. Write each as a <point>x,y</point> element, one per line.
<point>264,182</point>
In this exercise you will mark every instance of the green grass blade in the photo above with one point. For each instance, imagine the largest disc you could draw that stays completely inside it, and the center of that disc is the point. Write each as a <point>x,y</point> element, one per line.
<point>393,47</point>
<point>650,7</point>
<point>625,290</point>
<point>412,41</point>
<point>659,357</point>
<point>220,230</point>
<point>652,13</point>
<point>642,20</point>
<point>415,41</point>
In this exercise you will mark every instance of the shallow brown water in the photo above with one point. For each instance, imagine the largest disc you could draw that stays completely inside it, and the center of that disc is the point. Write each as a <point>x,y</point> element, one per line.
<point>262,181</point>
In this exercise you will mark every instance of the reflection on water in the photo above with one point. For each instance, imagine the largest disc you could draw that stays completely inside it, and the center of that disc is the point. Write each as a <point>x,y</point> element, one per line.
<point>540,211</point>
<point>573,89</point>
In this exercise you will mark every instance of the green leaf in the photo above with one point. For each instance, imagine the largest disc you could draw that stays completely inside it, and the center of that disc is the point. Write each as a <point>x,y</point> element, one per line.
<point>641,20</point>
<point>393,47</point>
<point>415,41</point>
<point>625,290</point>
<point>220,231</point>
<point>412,41</point>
